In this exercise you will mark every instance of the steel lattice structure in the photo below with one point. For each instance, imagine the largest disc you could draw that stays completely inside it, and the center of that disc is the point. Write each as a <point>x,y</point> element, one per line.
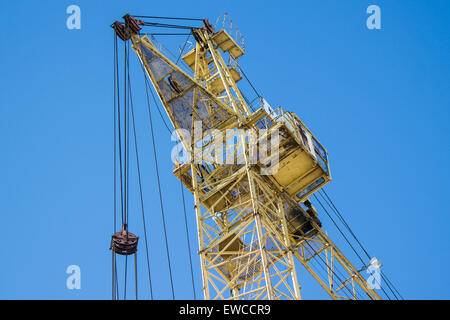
<point>253,220</point>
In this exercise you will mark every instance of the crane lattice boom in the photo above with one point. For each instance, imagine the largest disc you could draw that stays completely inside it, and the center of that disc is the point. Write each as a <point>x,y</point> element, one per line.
<point>254,219</point>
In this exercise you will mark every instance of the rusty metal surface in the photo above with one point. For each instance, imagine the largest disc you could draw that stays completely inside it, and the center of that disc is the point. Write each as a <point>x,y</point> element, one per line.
<point>208,26</point>
<point>124,242</point>
<point>119,28</point>
<point>132,24</point>
<point>174,84</point>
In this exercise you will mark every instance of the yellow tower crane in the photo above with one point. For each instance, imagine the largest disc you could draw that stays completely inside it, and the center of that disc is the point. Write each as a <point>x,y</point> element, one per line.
<point>250,172</point>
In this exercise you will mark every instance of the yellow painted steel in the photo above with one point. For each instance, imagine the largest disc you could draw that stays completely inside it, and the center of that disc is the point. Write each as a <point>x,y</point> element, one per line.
<point>252,228</point>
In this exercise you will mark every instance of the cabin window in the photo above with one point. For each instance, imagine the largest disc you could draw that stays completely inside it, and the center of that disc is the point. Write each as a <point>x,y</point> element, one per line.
<point>311,187</point>
<point>320,150</point>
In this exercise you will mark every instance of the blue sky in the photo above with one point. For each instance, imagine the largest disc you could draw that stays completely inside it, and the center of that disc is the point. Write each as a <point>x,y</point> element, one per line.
<point>378,100</point>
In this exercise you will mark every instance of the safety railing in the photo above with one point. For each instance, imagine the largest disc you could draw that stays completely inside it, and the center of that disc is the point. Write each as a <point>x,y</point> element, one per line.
<point>225,22</point>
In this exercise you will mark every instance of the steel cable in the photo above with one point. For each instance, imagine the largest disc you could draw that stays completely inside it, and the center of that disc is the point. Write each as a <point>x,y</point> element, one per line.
<point>140,191</point>
<point>337,212</point>
<point>159,191</point>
